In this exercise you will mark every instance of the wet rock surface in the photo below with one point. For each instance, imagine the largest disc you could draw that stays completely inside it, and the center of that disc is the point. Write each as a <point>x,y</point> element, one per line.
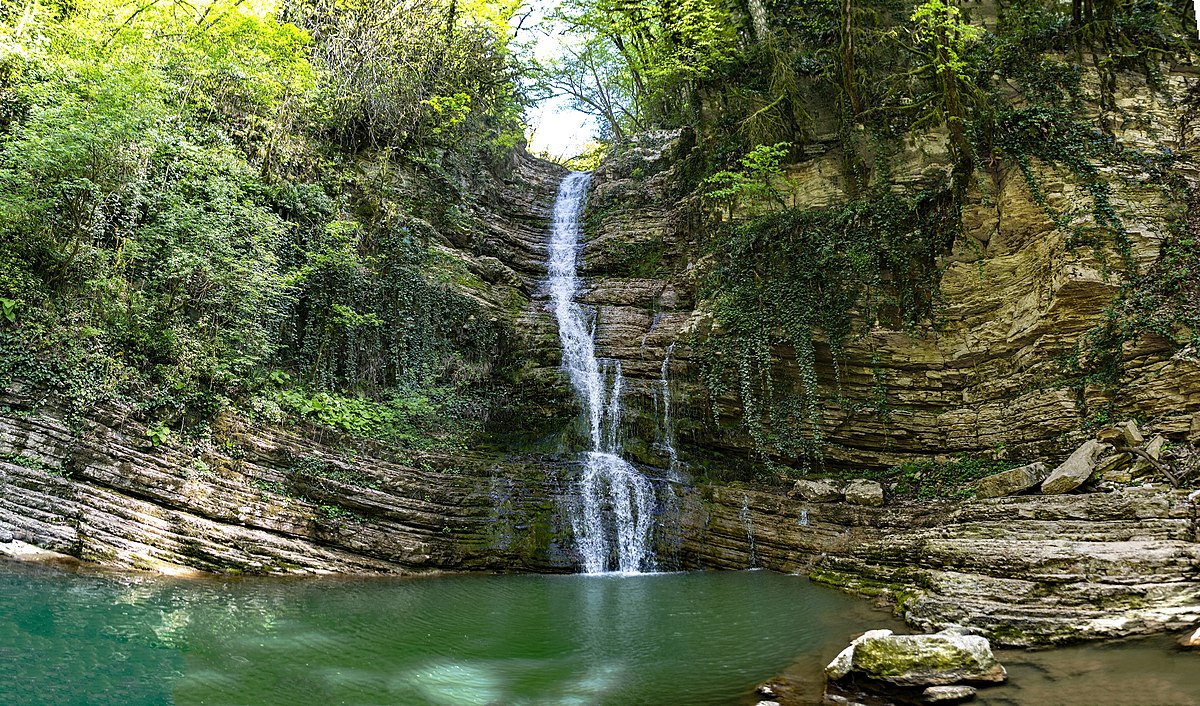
<point>936,668</point>
<point>1022,570</point>
<point>948,694</point>
<point>269,501</point>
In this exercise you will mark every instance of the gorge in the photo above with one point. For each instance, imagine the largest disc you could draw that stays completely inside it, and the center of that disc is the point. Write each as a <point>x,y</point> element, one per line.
<point>896,300</point>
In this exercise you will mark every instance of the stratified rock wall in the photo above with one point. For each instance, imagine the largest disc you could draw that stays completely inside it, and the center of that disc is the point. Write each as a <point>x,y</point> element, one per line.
<point>268,501</point>
<point>1024,570</point>
<point>986,377</point>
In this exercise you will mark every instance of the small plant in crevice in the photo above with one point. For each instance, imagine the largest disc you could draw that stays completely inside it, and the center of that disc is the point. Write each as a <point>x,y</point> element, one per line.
<point>158,434</point>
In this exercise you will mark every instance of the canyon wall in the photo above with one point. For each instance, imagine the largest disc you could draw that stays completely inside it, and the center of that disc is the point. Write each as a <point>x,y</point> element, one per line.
<point>1024,570</point>
<point>986,374</point>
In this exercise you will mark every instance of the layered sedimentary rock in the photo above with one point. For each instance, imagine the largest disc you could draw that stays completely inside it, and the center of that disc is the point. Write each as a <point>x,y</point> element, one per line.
<point>987,377</point>
<point>267,501</point>
<point>1024,570</point>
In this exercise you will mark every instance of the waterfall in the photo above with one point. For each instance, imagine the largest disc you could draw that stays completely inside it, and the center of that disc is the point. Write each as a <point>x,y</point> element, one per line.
<point>749,525</point>
<point>612,526</point>
<point>668,438</point>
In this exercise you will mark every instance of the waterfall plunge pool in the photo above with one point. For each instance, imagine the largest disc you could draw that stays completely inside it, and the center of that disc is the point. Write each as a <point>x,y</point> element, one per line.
<point>98,638</point>
<point>697,638</point>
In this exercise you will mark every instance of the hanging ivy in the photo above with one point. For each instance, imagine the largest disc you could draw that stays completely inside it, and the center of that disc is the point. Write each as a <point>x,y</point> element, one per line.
<point>789,281</point>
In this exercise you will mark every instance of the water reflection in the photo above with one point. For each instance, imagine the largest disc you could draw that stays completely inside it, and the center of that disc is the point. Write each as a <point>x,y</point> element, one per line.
<point>699,638</point>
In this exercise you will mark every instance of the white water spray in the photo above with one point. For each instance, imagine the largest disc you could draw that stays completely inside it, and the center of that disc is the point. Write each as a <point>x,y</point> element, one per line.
<point>612,528</point>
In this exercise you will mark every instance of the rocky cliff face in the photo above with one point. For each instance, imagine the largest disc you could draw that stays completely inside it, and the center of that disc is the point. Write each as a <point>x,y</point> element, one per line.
<point>1024,570</point>
<point>986,376</point>
<point>262,500</point>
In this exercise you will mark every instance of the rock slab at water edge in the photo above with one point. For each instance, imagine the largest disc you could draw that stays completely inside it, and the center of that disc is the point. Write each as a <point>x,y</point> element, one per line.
<point>947,694</point>
<point>842,664</point>
<point>1191,640</point>
<point>926,660</point>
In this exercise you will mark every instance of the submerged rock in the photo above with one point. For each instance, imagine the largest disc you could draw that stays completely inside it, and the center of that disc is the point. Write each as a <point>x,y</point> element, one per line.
<point>926,660</point>
<point>816,491</point>
<point>948,694</point>
<point>1191,640</point>
<point>864,492</point>
<point>1076,470</point>
<point>1011,482</point>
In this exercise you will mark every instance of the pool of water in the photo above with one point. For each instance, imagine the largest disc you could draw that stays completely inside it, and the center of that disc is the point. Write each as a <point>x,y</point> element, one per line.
<point>695,638</point>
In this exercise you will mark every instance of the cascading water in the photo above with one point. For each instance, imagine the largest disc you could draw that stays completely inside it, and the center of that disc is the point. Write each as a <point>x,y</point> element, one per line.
<point>668,431</point>
<point>612,528</point>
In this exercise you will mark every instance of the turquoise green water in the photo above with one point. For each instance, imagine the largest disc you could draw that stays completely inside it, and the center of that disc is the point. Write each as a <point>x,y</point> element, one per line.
<point>699,638</point>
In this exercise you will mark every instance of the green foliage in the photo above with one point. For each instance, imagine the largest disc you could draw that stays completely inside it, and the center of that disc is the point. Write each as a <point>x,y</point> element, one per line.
<point>32,464</point>
<point>415,421</point>
<point>1056,137</point>
<point>637,63</point>
<point>158,434</point>
<point>413,72</point>
<point>590,158</point>
<point>178,230</point>
<point>798,278</point>
<point>761,177</point>
<point>1161,303</point>
<point>933,479</point>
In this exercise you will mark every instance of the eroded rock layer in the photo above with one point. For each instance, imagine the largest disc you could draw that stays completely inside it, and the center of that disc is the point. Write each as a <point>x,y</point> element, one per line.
<point>268,501</point>
<point>1024,570</point>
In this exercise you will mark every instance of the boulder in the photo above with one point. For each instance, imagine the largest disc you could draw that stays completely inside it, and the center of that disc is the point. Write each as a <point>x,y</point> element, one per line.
<point>1075,471</point>
<point>1191,640</point>
<point>864,492</point>
<point>1114,469</point>
<point>1011,482</point>
<point>840,666</point>
<point>1131,435</point>
<point>6,537</point>
<point>927,660</point>
<point>1111,435</point>
<point>816,491</point>
<point>948,694</point>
